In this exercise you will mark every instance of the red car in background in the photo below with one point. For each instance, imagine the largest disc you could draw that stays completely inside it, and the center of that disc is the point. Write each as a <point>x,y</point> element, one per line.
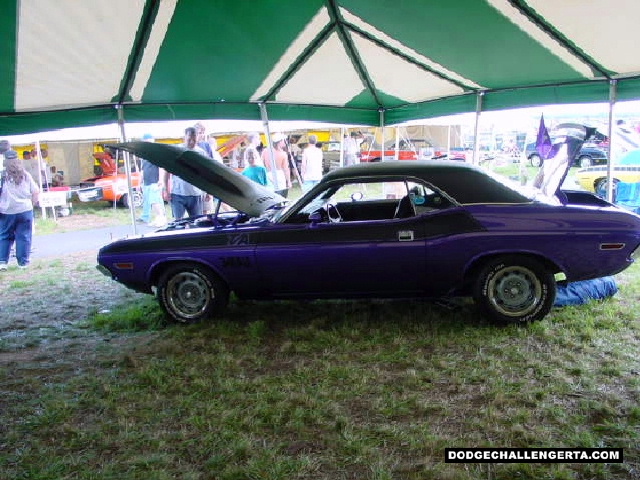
<point>408,150</point>
<point>458,153</point>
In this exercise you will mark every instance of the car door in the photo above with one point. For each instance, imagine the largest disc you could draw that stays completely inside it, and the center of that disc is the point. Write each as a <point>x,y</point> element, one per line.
<point>381,257</point>
<point>350,258</point>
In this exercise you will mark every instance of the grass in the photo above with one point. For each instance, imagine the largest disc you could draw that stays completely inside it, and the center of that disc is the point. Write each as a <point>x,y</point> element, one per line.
<point>342,389</point>
<point>309,390</point>
<point>143,315</point>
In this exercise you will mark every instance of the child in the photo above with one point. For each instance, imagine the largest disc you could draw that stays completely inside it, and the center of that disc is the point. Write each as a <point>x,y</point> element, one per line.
<point>257,173</point>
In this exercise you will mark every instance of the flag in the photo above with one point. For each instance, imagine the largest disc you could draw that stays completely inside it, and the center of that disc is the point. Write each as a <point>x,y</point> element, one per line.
<point>543,141</point>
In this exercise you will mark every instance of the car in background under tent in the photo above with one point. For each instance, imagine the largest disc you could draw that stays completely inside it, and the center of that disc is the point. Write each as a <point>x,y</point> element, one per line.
<point>381,230</point>
<point>595,179</point>
<point>408,149</point>
<point>587,156</point>
<point>108,184</point>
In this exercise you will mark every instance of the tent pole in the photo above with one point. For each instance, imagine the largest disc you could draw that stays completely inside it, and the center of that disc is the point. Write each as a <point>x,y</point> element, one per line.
<point>265,124</point>
<point>343,131</point>
<point>381,111</point>
<point>613,90</point>
<point>476,143</point>
<point>127,169</point>
<point>46,183</point>
<point>396,154</point>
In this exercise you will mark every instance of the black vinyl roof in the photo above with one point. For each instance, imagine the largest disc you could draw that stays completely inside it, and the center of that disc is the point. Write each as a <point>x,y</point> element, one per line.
<point>465,183</point>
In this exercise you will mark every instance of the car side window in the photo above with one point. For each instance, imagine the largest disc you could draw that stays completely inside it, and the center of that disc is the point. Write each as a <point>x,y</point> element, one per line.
<point>426,199</point>
<point>355,201</point>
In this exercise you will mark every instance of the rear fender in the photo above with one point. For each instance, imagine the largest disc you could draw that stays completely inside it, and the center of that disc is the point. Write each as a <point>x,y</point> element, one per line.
<point>473,268</point>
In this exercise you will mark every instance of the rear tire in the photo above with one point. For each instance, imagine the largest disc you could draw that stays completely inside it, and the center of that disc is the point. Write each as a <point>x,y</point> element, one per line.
<point>190,292</point>
<point>514,289</point>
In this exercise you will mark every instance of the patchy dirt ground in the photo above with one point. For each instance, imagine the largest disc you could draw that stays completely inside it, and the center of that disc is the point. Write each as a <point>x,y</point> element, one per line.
<point>43,309</point>
<point>84,221</point>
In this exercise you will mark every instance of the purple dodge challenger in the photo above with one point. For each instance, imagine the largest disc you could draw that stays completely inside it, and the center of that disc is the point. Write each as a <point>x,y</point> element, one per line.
<point>393,229</point>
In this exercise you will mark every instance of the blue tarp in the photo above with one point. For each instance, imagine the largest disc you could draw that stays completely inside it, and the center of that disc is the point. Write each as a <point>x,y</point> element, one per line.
<point>630,158</point>
<point>628,195</point>
<point>579,293</point>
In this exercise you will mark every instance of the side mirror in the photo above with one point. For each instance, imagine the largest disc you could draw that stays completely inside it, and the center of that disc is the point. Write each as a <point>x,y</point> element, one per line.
<point>357,196</point>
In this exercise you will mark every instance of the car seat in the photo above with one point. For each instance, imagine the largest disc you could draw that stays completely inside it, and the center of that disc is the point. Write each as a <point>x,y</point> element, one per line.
<point>405,208</point>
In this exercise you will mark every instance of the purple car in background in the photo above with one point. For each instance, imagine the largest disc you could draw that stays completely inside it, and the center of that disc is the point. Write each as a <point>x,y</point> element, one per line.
<point>398,229</point>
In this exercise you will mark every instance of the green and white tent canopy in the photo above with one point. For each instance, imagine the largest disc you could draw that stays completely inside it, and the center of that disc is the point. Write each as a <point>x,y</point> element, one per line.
<point>85,62</point>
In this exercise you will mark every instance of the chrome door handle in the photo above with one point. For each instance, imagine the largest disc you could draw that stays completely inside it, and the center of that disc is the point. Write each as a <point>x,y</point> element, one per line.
<point>405,235</point>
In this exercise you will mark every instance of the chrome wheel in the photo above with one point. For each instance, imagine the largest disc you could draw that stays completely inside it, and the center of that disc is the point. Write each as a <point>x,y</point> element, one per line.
<point>190,292</point>
<point>514,291</point>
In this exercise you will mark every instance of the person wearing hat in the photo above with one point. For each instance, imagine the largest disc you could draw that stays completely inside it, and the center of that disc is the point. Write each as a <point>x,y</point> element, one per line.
<point>18,194</point>
<point>152,201</point>
<point>279,163</point>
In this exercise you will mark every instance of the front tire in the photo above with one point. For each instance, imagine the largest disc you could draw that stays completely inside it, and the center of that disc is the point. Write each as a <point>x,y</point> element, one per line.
<point>137,199</point>
<point>189,293</point>
<point>585,161</point>
<point>514,289</point>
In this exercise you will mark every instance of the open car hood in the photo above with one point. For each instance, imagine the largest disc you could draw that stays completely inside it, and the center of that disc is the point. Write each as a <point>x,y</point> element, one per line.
<point>213,177</point>
<point>568,140</point>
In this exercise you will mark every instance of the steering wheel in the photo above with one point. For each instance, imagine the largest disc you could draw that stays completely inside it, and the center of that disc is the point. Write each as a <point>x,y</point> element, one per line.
<point>333,213</point>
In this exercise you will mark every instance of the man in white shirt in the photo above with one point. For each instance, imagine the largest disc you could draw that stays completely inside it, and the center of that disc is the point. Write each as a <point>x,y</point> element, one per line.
<point>183,196</point>
<point>311,167</point>
<point>351,148</point>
